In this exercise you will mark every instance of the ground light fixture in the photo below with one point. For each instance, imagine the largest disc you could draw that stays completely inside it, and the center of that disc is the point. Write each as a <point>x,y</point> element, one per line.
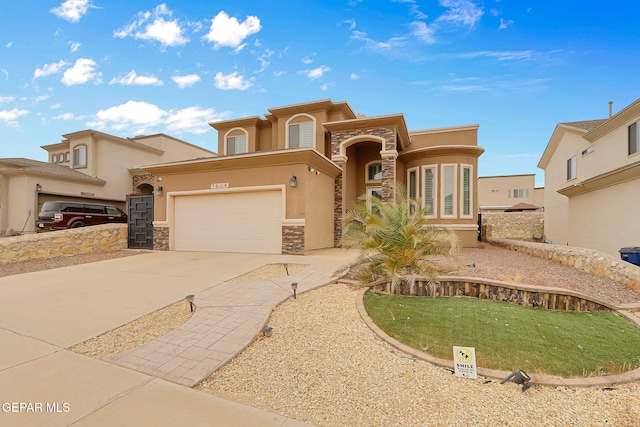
<point>519,377</point>
<point>286,268</point>
<point>189,298</point>
<point>267,331</point>
<point>294,286</point>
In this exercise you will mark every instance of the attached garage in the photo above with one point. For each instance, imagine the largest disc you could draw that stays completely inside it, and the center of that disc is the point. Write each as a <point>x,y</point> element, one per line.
<point>245,222</point>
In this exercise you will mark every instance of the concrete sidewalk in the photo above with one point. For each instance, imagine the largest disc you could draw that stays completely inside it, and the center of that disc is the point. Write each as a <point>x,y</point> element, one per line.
<point>43,313</point>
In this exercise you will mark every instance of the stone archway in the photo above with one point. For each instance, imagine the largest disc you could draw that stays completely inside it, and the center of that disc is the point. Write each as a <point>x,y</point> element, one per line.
<point>144,189</point>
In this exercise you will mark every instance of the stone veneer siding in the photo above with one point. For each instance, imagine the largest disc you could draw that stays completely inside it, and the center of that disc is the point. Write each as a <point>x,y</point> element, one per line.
<point>524,295</point>
<point>337,210</point>
<point>146,178</point>
<point>97,238</point>
<point>513,225</point>
<point>161,238</point>
<point>587,260</point>
<point>293,239</point>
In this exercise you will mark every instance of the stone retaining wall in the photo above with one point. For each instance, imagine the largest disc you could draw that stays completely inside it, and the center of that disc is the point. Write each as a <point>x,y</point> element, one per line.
<point>587,260</point>
<point>524,295</point>
<point>98,238</point>
<point>513,225</point>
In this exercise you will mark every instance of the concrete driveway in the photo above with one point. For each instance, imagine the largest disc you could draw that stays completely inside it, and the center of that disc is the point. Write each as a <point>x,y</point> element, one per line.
<point>44,313</point>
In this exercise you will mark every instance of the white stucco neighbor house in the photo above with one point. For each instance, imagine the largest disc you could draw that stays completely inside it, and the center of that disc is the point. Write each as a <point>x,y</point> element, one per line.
<point>592,182</point>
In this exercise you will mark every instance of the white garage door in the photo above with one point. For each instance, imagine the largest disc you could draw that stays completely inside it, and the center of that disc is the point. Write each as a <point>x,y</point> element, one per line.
<point>248,222</point>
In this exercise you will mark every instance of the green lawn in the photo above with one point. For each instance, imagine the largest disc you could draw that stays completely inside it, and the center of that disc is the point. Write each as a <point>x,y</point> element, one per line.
<point>510,337</point>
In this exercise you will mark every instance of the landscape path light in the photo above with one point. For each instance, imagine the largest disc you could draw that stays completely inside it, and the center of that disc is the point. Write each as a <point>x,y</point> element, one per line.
<point>294,286</point>
<point>519,377</point>
<point>189,298</point>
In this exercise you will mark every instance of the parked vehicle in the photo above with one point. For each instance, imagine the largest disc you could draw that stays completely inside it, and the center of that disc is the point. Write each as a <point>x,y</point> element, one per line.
<point>58,215</point>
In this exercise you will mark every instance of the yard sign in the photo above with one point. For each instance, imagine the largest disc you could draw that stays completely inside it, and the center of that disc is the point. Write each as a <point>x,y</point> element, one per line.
<point>464,359</point>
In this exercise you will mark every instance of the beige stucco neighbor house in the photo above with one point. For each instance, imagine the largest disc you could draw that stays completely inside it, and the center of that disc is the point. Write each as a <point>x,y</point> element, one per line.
<point>283,182</point>
<point>85,166</point>
<point>592,181</point>
<point>499,193</point>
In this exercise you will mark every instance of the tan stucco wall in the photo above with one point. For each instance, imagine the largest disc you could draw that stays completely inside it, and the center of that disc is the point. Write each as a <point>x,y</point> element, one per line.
<point>493,191</point>
<point>319,209</point>
<point>556,205</point>
<point>606,219</point>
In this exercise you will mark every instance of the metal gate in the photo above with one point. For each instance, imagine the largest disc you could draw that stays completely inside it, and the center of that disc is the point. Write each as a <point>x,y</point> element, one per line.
<point>140,211</point>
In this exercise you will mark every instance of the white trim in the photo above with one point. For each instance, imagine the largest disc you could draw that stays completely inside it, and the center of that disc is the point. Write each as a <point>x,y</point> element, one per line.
<point>246,142</point>
<point>454,198</point>
<point>313,129</point>
<point>434,207</point>
<point>293,221</point>
<point>462,168</point>
<point>461,227</point>
<point>354,140</point>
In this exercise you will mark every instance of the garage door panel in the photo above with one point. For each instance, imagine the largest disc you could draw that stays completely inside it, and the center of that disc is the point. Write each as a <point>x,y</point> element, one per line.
<point>249,222</point>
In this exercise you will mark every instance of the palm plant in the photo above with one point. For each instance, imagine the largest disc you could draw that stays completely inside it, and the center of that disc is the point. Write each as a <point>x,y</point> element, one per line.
<point>396,243</point>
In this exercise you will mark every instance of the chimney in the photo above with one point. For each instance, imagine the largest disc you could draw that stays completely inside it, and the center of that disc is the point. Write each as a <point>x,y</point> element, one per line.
<point>610,108</point>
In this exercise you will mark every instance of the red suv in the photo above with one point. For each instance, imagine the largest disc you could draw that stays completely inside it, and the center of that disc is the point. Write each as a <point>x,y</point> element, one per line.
<point>63,215</point>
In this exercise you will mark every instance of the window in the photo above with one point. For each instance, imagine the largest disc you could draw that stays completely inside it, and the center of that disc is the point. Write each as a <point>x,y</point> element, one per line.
<point>412,188</point>
<point>374,171</point>
<point>301,135</point>
<point>634,140</point>
<point>448,191</point>
<point>572,168</point>
<point>80,156</point>
<point>236,144</point>
<point>465,200</point>
<point>430,185</point>
<point>67,156</point>
<point>54,158</point>
<point>373,192</point>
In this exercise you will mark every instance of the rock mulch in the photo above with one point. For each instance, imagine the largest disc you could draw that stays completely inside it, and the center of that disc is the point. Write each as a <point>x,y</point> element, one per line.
<point>324,366</point>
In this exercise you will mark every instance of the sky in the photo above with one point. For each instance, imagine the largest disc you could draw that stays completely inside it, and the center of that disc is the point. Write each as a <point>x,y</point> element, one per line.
<point>515,67</point>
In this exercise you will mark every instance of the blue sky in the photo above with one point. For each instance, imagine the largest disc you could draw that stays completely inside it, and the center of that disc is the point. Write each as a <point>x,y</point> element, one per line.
<point>516,67</point>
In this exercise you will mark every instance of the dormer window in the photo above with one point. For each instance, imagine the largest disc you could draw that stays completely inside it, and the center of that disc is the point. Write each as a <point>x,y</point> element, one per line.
<point>301,135</point>
<point>80,156</point>
<point>236,144</point>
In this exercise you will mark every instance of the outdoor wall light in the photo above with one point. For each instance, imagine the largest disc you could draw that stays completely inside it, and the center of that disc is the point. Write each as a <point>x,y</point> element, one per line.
<point>189,298</point>
<point>311,169</point>
<point>267,331</point>
<point>519,377</point>
<point>159,191</point>
<point>293,182</point>
<point>294,286</point>
<point>38,187</point>
<point>159,179</point>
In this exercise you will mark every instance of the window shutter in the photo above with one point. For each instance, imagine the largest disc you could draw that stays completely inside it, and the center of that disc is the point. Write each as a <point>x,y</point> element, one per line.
<point>231,145</point>
<point>428,190</point>
<point>466,191</point>
<point>294,136</point>
<point>448,190</point>
<point>633,138</point>
<point>306,129</point>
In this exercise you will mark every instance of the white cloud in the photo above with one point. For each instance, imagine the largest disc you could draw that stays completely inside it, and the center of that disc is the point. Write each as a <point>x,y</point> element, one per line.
<point>74,46</point>
<point>133,79</point>
<point>41,98</point>
<point>151,25</point>
<point>306,60</point>
<point>9,117</point>
<point>69,116</point>
<point>232,81</point>
<point>49,69</point>
<point>318,72</point>
<point>354,76</point>
<point>351,23</point>
<point>72,10</point>
<point>138,117</point>
<point>423,32</point>
<point>6,99</point>
<point>264,60</point>
<point>5,72</point>
<point>507,55</point>
<point>504,24</point>
<point>392,43</point>
<point>8,45</point>
<point>186,81</point>
<point>461,12</point>
<point>83,70</point>
<point>228,31</point>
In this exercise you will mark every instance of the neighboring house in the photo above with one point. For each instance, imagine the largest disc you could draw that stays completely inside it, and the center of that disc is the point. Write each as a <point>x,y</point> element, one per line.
<point>283,183</point>
<point>86,166</point>
<point>592,181</point>
<point>500,193</point>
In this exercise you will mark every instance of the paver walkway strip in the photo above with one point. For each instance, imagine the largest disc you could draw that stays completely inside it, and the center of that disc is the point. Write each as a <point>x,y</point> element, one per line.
<point>228,318</point>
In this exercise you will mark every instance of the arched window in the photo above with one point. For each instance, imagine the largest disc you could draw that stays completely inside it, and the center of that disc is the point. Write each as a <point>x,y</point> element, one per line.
<point>235,142</point>
<point>80,156</point>
<point>374,171</point>
<point>300,131</point>
<point>54,158</point>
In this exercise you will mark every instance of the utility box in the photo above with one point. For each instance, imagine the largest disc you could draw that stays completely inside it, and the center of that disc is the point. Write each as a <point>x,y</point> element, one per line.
<point>631,255</point>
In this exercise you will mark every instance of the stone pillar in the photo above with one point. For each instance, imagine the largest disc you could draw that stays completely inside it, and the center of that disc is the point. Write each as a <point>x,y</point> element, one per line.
<point>161,238</point>
<point>293,240</point>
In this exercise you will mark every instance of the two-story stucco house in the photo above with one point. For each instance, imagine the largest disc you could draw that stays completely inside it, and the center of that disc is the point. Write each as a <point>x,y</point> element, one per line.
<point>283,182</point>
<point>85,166</point>
<point>592,182</point>
<point>501,193</point>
